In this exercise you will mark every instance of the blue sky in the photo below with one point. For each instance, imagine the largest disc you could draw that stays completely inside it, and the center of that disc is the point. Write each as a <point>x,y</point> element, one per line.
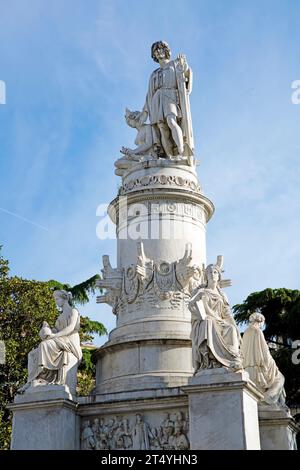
<point>72,66</point>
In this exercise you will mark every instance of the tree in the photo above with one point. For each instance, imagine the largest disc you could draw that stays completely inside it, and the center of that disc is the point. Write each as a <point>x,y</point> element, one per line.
<point>281,309</point>
<point>24,305</point>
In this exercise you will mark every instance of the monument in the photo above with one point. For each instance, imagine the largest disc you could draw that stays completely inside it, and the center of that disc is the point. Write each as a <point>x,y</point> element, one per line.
<point>172,375</point>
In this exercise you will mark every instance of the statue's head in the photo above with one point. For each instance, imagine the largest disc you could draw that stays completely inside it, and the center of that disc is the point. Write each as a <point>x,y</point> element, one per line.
<point>213,272</point>
<point>132,118</point>
<point>257,319</point>
<point>177,429</point>
<point>61,297</point>
<point>160,49</point>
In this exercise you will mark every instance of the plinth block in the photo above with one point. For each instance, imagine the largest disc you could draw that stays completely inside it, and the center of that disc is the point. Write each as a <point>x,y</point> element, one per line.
<point>44,420</point>
<point>278,428</point>
<point>223,411</point>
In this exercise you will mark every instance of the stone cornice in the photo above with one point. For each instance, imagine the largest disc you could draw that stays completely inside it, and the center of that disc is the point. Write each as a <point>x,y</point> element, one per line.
<point>55,403</point>
<point>222,387</point>
<point>137,405</point>
<point>159,194</point>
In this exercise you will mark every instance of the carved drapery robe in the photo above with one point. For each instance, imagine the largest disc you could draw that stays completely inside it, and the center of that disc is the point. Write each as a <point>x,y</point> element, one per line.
<point>261,366</point>
<point>216,337</point>
<point>168,93</point>
<point>47,361</point>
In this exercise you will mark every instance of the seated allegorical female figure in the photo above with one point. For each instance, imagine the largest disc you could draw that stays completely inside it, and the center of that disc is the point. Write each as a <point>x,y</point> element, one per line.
<point>259,363</point>
<point>215,337</point>
<point>56,359</point>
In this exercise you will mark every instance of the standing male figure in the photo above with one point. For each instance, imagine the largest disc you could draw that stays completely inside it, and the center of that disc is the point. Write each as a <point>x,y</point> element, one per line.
<point>167,103</point>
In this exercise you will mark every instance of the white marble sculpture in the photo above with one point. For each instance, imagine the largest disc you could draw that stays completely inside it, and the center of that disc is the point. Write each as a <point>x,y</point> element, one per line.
<point>259,363</point>
<point>144,144</point>
<point>215,336</point>
<point>112,282</point>
<point>136,433</point>
<point>148,281</point>
<point>56,359</point>
<point>167,103</point>
<point>167,107</point>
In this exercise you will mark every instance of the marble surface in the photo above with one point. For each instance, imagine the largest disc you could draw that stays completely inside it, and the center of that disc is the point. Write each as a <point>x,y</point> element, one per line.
<point>223,411</point>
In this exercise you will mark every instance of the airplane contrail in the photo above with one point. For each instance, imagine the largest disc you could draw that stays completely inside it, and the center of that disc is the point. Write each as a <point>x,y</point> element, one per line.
<point>24,219</point>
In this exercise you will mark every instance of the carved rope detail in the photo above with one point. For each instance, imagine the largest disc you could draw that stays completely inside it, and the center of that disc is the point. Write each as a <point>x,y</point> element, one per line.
<point>169,180</point>
<point>134,432</point>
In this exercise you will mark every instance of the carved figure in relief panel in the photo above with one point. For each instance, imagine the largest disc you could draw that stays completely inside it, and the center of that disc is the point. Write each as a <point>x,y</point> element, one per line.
<point>178,440</point>
<point>101,435</point>
<point>87,437</point>
<point>141,434</point>
<point>118,434</point>
<point>167,429</point>
<point>122,435</point>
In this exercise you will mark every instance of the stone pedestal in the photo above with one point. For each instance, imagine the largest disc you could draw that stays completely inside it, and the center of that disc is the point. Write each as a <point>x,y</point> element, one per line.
<point>223,411</point>
<point>278,428</point>
<point>160,215</point>
<point>45,418</point>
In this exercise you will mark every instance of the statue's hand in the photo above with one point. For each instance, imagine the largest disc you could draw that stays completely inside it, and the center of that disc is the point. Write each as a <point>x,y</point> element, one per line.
<point>126,151</point>
<point>45,331</point>
<point>51,335</point>
<point>183,62</point>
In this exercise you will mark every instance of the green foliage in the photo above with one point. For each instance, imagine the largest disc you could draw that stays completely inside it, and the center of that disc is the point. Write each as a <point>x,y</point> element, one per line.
<point>4,267</point>
<point>80,292</point>
<point>24,305</point>
<point>87,363</point>
<point>281,309</point>
<point>86,372</point>
<point>88,328</point>
<point>86,383</point>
